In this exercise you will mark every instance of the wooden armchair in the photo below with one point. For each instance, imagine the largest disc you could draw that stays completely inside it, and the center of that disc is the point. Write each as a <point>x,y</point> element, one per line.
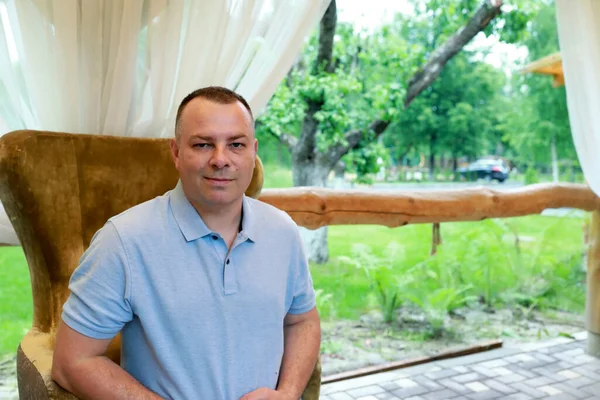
<point>58,189</point>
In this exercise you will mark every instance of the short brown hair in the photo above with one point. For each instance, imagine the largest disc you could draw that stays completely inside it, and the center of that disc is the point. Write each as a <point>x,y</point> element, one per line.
<point>216,94</point>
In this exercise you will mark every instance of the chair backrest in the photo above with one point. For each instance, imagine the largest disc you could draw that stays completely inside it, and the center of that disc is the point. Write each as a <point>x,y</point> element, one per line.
<point>58,189</point>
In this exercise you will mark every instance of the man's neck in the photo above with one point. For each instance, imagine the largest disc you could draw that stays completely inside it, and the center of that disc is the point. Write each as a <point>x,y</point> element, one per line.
<point>225,220</point>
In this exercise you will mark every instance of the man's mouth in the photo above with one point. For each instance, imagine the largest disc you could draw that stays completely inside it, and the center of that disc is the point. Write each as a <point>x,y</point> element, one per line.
<point>218,180</point>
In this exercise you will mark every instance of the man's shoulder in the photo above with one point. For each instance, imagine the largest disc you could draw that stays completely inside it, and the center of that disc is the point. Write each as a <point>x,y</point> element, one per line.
<point>271,216</point>
<point>141,218</point>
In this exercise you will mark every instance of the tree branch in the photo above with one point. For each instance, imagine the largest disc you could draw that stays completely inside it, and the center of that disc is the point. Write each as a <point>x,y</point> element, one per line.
<point>326,35</point>
<point>305,149</point>
<point>353,137</point>
<point>289,141</point>
<point>427,74</point>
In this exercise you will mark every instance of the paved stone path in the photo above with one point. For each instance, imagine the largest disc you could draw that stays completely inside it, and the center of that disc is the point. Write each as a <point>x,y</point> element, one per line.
<point>555,369</point>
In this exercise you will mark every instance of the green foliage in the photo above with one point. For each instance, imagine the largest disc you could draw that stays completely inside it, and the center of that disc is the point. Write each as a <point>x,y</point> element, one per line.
<point>277,176</point>
<point>531,176</point>
<point>377,271</point>
<point>16,304</point>
<point>535,111</point>
<point>482,259</point>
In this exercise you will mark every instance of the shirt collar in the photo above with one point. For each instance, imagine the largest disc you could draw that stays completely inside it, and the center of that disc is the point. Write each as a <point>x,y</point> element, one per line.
<point>191,224</point>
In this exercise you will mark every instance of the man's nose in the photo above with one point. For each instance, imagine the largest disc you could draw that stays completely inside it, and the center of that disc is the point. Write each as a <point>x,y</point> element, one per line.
<point>219,158</point>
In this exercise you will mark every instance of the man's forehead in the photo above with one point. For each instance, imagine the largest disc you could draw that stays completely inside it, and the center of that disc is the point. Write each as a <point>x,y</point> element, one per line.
<point>203,107</point>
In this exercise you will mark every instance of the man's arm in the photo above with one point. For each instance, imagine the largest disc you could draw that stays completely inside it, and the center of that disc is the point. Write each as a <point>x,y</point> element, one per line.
<point>302,341</point>
<point>79,365</point>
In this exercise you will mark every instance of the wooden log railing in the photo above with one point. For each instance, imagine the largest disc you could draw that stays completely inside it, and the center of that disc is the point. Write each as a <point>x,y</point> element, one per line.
<point>317,207</point>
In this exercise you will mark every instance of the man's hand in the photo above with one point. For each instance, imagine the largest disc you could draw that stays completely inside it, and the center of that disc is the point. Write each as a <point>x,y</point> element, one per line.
<point>266,394</point>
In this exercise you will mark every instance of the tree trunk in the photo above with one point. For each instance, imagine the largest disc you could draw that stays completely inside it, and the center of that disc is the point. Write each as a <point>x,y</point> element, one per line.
<point>315,241</point>
<point>432,157</point>
<point>554,159</point>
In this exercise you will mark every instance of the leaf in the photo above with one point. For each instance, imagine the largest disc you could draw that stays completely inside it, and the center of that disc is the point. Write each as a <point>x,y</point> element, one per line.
<point>566,335</point>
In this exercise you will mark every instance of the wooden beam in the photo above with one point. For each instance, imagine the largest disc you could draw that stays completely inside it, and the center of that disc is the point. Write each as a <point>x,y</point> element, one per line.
<point>543,63</point>
<point>459,352</point>
<point>316,207</point>
<point>592,303</point>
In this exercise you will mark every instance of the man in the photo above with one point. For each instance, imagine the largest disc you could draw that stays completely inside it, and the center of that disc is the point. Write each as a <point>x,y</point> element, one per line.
<point>210,289</point>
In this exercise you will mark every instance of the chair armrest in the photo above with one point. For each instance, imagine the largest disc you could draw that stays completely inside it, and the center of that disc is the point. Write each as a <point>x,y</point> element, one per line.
<point>34,366</point>
<point>313,387</point>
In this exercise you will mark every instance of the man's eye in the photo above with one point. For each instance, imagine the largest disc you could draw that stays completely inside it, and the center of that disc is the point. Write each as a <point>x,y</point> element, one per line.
<point>201,145</point>
<point>237,145</point>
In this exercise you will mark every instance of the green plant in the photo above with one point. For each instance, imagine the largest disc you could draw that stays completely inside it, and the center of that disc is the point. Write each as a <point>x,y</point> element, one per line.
<point>531,176</point>
<point>438,304</point>
<point>324,304</point>
<point>381,277</point>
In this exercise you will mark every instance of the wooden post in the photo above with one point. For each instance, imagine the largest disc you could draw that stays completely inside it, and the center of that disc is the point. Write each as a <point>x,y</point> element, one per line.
<point>592,304</point>
<point>436,239</point>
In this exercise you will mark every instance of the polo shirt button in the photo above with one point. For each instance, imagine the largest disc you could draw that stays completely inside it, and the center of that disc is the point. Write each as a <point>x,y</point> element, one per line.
<point>228,261</point>
<point>215,237</point>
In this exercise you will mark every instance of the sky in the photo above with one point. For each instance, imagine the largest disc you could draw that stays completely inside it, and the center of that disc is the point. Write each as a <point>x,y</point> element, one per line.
<point>371,13</point>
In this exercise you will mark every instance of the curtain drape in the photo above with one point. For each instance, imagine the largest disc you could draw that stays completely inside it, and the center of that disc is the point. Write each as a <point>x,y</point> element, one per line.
<point>579,38</point>
<point>121,67</point>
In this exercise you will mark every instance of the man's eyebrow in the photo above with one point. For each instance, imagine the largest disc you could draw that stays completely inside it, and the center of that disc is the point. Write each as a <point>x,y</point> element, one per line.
<point>209,138</point>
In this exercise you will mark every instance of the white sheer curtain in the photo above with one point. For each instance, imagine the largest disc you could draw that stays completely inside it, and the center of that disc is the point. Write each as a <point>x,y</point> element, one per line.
<point>121,67</point>
<point>579,37</point>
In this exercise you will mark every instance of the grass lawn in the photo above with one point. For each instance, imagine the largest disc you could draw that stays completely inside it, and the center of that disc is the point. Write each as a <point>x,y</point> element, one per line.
<point>16,307</point>
<point>480,256</point>
<point>477,259</point>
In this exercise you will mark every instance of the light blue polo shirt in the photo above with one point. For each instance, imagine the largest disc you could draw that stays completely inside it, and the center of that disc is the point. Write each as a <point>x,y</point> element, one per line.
<point>197,322</point>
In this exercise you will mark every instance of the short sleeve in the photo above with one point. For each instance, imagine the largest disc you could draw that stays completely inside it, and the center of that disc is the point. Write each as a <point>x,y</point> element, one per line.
<point>303,290</point>
<point>99,304</point>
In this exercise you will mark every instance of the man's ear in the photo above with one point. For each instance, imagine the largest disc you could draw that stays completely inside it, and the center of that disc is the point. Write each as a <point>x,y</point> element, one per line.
<point>255,147</point>
<point>174,152</point>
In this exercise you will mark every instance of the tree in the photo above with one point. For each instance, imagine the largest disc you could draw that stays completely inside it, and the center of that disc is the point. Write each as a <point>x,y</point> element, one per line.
<point>348,88</point>
<point>539,126</point>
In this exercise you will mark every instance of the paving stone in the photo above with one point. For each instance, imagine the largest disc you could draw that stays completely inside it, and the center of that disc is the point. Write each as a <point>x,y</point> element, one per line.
<point>562,396</point>
<point>340,396</point>
<point>578,393</point>
<point>444,373</point>
<point>578,382</point>
<point>459,388</point>
<point>470,377</point>
<point>487,395</point>
<point>430,384</point>
<point>440,394</point>
<point>386,396</point>
<point>406,383</point>
<point>461,370</point>
<point>533,392</point>
<point>389,386</point>
<point>500,362</point>
<point>410,391</point>
<point>477,386</point>
<point>518,396</point>
<point>538,381</point>
<point>512,378</point>
<point>366,391</point>
<point>490,373</point>
<point>521,371</point>
<point>499,386</point>
<point>369,397</point>
<point>549,389</point>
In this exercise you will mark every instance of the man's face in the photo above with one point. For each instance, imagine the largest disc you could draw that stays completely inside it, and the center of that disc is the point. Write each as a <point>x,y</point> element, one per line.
<point>215,152</point>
